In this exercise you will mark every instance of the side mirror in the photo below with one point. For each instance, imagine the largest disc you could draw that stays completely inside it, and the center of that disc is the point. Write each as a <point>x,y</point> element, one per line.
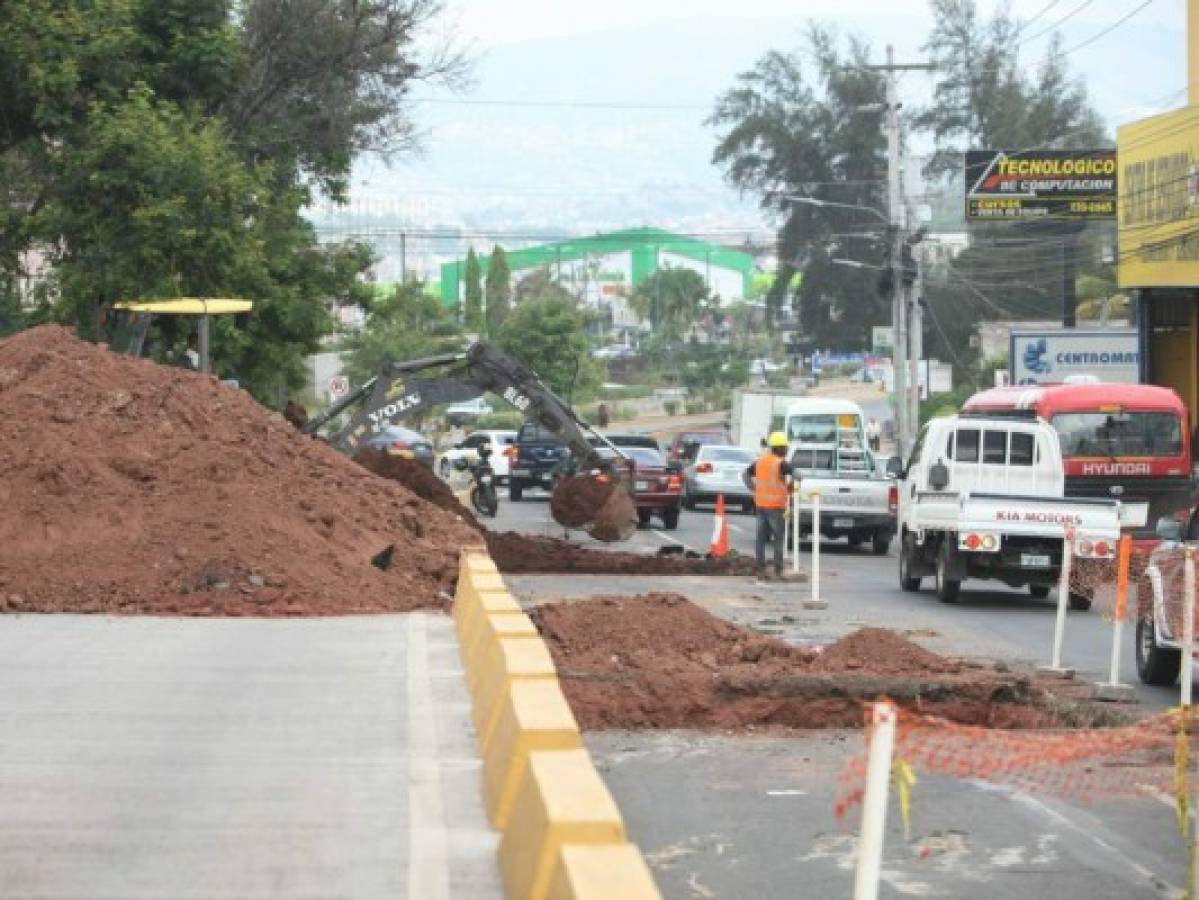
<point>895,467</point>
<point>1169,529</point>
<point>938,476</point>
<point>460,464</point>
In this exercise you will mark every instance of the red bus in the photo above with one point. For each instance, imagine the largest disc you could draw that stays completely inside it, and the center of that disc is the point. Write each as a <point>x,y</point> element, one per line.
<point>1131,442</point>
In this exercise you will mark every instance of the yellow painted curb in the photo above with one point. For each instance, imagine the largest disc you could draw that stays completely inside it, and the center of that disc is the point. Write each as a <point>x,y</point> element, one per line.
<point>510,660</point>
<point>562,835</point>
<point>601,872</point>
<point>562,800</point>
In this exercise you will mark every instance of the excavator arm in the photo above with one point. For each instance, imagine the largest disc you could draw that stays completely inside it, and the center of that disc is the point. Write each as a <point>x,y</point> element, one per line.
<point>402,390</point>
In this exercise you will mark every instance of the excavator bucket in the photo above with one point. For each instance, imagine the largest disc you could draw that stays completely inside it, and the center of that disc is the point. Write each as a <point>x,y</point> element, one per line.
<point>600,504</point>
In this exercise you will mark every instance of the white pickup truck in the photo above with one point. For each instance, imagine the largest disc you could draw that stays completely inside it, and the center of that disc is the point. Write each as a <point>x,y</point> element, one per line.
<point>827,445</point>
<point>984,498</point>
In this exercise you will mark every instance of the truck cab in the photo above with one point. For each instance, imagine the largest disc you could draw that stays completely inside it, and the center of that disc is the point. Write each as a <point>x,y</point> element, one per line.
<point>984,498</point>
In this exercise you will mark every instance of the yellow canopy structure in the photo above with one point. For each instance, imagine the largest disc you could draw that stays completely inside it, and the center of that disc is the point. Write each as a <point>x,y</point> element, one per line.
<point>188,306</point>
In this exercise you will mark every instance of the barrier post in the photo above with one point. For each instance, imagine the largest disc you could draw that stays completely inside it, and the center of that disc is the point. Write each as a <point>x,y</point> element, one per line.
<point>874,802</point>
<point>1063,603</point>
<point>795,531</point>
<point>1113,689</point>
<point>1188,628</point>
<point>815,602</point>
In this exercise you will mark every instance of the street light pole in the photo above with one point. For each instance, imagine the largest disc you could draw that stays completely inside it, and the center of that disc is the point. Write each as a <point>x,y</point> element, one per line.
<point>895,215</point>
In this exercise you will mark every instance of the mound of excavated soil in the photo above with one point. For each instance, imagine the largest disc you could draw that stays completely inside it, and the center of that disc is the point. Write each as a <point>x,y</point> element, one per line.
<point>520,554</point>
<point>130,487</point>
<point>416,477</point>
<point>659,661</point>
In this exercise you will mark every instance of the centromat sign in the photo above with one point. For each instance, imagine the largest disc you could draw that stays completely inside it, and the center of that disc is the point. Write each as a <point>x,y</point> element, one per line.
<point>1054,355</point>
<point>1040,184</point>
<point>1158,225</point>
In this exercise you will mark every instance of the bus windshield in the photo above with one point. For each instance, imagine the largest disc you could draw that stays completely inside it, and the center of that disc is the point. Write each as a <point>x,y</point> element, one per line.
<point>1085,434</point>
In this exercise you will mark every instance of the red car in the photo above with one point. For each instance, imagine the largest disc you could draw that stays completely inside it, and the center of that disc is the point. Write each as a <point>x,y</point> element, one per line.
<point>657,487</point>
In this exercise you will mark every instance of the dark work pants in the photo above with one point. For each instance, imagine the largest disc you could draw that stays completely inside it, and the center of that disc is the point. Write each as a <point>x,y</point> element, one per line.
<point>771,528</point>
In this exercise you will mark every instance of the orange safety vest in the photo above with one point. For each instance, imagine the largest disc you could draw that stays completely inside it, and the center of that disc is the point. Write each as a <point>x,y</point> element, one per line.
<point>770,490</point>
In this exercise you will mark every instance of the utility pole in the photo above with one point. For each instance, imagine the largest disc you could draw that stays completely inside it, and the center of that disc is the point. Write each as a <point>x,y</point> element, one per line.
<point>403,257</point>
<point>905,421</point>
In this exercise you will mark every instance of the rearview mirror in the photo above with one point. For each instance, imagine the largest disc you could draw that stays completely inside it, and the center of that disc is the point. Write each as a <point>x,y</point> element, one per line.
<point>895,467</point>
<point>1169,529</point>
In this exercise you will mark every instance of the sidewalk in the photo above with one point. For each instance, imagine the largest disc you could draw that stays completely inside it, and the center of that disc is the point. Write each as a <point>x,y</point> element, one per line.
<point>247,758</point>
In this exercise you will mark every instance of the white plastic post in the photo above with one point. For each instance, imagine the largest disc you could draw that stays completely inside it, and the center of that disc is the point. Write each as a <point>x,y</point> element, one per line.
<point>815,537</point>
<point>1063,600</point>
<point>1123,562</point>
<point>795,532</point>
<point>1188,626</point>
<point>874,803</point>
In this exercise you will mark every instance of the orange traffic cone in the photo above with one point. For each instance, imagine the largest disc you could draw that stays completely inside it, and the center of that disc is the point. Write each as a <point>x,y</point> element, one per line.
<point>720,531</point>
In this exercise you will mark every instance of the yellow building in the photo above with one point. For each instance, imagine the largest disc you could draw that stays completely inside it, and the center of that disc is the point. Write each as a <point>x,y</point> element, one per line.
<point>1158,222</point>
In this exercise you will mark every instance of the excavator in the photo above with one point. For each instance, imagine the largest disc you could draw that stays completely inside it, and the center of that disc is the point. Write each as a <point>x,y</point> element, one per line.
<point>596,493</point>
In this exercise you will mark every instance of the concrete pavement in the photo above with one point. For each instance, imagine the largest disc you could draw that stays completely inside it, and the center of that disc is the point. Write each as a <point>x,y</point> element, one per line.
<point>247,758</point>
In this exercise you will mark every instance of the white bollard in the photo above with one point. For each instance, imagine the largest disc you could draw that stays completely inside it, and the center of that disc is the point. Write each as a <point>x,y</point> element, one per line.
<point>795,532</point>
<point>874,803</point>
<point>1063,602</point>
<point>1188,626</point>
<point>815,602</point>
<point>1123,562</point>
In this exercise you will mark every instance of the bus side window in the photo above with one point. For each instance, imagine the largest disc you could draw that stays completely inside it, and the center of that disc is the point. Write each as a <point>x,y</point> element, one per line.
<point>967,445</point>
<point>1022,449</point>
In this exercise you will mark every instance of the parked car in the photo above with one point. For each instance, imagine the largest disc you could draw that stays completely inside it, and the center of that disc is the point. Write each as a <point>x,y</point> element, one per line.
<point>535,456</point>
<point>718,470</point>
<point>634,440</point>
<point>657,487</point>
<point>686,444</point>
<point>468,410</point>
<point>403,442</point>
<point>467,448</point>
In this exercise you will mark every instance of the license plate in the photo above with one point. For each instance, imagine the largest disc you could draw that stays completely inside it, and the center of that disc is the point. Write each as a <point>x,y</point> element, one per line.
<point>843,523</point>
<point>521,473</point>
<point>484,479</point>
<point>1035,561</point>
<point>641,486</point>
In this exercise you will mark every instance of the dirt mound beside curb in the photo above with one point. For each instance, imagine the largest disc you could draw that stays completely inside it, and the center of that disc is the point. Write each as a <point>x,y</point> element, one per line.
<point>130,487</point>
<point>520,554</point>
<point>659,661</point>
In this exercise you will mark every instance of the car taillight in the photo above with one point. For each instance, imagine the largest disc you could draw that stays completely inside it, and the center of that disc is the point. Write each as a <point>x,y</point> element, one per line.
<point>510,452</point>
<point>399,448</point>
<point>674,483</point>
<point>988,543</point>
<point>1102,549</point>
<point>893,498</point>
<point>705,468</point>
<point>973,542</point>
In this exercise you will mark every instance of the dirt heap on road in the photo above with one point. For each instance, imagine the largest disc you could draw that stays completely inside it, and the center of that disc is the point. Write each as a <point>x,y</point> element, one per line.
<point>130,487</point>
<point>416,477</point>
<point>659,661</point>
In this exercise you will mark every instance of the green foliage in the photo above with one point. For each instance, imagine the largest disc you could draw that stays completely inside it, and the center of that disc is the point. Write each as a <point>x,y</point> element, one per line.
<point>408,325</point>
<point>625,392</point>
<point>501,421</point>
<point>671,407</point>
<point>695,407</point>
<point>546,333</point>
<point>499,290</point>
<point>804,123</point>
<point>672,300</point>
<point>473,306</point>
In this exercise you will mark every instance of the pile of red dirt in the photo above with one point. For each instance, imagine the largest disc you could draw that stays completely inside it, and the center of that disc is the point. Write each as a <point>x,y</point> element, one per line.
<point>130,487</point>
<point>416,477</point>
<point>521,554</point>
<point>576,499</point>
<point>659,661</point>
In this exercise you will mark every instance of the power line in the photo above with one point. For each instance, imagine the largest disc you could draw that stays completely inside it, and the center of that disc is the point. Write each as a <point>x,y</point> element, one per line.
<point>1024,27</point>
<point>1107,30</point>
<point>1067,17</point>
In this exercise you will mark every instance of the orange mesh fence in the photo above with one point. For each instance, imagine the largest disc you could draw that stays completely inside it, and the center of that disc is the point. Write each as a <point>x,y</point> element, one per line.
<point>1153,755</point>
<point>1163,568</point>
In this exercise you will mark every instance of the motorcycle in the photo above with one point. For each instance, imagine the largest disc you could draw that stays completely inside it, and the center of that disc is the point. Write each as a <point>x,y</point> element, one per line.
<point>483,496</point>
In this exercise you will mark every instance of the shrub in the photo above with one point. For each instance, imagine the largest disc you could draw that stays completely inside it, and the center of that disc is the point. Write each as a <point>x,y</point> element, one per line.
<point>671,407</point>
<point>695,407</point>
<point>500,421</point>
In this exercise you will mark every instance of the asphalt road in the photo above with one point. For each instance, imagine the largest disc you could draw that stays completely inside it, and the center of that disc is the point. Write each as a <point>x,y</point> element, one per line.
<point>238,758</point>
<point>751,816</point>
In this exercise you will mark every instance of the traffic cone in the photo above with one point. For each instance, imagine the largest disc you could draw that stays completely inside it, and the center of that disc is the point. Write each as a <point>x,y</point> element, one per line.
<point>720,531</point>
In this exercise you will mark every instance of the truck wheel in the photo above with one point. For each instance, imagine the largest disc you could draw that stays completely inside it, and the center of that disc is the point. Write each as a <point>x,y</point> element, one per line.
<point>1155,665</point>
<point>689,501</point>
<point>516,490</point>
<point>854,540</point>
<point>1040,591</point>
<point>1079,602</point>
<point>907,553</point>
<point>670,519</point>
<point>643,517</point>
<point>947,588</point>
<point>881,542</point>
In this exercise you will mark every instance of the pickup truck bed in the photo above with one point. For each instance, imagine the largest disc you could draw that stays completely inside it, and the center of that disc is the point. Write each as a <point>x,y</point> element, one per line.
<point>859,508</point>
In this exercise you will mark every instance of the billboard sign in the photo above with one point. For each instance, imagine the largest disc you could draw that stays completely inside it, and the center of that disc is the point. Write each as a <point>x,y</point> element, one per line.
<point>1158,226</point>
<point>1040,184</point>
<point>1053,356</point>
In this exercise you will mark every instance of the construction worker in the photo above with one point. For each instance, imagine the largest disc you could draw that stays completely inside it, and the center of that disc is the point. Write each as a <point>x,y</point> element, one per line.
<point>771,480</point>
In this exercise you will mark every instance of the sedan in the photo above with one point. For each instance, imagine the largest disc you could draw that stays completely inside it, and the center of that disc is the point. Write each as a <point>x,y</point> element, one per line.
<point>403,442</point>
<point>719,470</point>
<point>657,487</point>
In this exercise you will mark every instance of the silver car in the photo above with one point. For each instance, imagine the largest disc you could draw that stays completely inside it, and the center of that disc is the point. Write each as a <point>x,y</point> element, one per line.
<point>719,469</point>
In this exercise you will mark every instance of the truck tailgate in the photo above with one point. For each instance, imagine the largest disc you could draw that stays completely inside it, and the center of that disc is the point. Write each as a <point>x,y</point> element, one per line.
<point>849,495</point>
<point>1019,515</point>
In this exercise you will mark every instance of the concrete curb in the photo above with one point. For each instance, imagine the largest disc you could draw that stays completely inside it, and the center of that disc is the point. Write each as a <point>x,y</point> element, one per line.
<point>561,833</point>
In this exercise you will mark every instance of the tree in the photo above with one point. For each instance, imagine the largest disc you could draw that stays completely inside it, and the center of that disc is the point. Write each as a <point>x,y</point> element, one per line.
<point>986,97</point>
<point>473,306</point>
<point>672,301</point>
<point>499,290</point>
<point>546,333</point>
<point>808,123</point>
<point>410,324</point>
